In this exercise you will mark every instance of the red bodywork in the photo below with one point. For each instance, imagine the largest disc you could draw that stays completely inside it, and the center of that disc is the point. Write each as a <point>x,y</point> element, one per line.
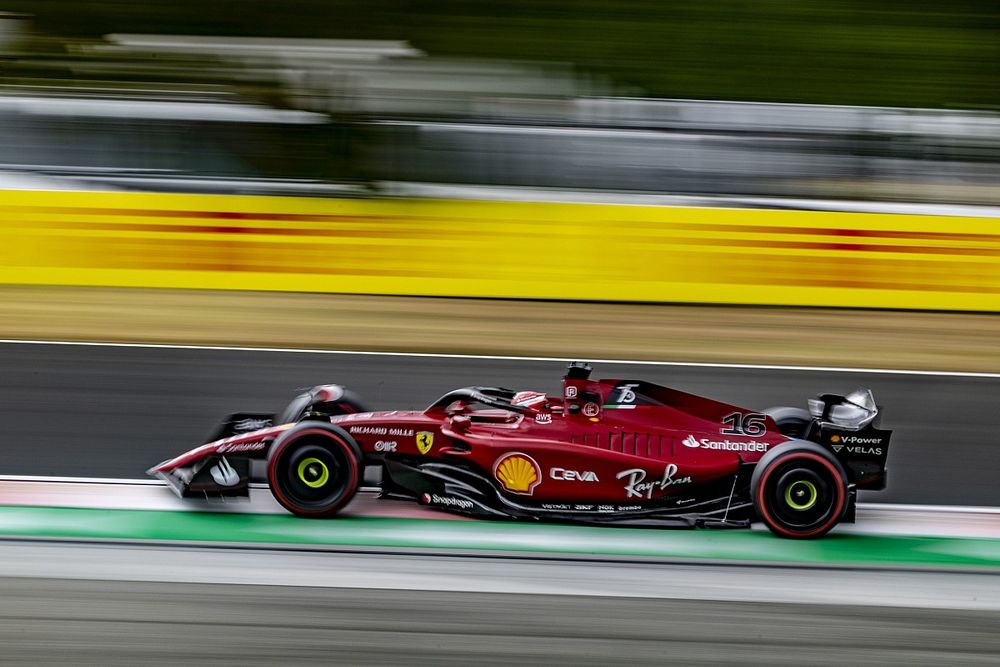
<point>607,442</point>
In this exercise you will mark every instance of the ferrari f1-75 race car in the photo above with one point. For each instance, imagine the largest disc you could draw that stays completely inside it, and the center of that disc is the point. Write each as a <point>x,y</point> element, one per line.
<point>603,451</point>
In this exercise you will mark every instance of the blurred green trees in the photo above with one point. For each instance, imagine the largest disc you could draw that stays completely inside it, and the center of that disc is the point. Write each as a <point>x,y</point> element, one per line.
<point>876,52</point>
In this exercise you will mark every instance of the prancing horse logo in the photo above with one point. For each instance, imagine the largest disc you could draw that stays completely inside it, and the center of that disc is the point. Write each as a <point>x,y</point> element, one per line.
<point>425,440</point>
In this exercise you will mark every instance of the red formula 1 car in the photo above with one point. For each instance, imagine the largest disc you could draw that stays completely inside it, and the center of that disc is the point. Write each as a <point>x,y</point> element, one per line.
<point>604,451</point>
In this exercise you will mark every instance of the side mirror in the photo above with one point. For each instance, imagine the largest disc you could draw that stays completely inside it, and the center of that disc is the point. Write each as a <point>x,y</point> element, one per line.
<point>460,424</point>
<point>455,408</point>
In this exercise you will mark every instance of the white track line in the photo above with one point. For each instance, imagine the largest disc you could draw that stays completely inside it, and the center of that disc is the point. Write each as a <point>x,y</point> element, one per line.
<point>79,480</point>
<point>521,576</point>
<point>262,567</point>
<point>126,494</point>
<point>491,357</point>
<point>42,479</point>
<point>953,509</point>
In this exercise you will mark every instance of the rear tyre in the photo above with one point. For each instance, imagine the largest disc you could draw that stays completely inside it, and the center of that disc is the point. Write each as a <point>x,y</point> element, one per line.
<point>799,490</point>
<point>792,422</point>
<point>314,469</point>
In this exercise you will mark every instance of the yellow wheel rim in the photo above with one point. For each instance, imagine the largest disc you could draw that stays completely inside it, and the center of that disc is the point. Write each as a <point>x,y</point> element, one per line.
<point>801,495</point>
<point>313,472</point>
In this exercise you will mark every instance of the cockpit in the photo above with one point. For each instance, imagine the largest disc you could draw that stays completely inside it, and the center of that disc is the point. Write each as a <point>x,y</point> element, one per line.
<point>581,398</point>
<point>472,399</point>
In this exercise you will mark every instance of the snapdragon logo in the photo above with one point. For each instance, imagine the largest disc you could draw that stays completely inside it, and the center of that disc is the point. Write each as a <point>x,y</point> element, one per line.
<point>447,501</point>
<point>726,445</point>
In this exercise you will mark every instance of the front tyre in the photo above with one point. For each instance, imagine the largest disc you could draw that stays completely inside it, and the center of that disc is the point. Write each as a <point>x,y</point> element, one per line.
<point>314,469</point>
<point>799,490</point>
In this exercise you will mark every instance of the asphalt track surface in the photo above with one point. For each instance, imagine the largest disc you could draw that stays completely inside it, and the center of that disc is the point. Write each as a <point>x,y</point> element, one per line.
<point>101,411</point>
<point>58,622</point>
<point>131,606</point>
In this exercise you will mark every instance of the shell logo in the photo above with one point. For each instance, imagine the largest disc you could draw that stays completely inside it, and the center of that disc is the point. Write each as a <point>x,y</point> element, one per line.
<point>835,438</point>
<point>517,473</point>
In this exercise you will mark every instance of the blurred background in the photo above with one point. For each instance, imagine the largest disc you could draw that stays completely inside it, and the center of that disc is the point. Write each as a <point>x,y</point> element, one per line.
<point>842,99</point>
<point>784,192</point>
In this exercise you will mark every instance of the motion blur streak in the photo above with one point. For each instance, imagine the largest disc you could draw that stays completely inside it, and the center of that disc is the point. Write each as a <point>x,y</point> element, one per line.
<point>459,611</point>
<point>171,397</point>
<point>430,247</point>
<point>329,173</point>
<point>809,99</point>
<point>737,335</point>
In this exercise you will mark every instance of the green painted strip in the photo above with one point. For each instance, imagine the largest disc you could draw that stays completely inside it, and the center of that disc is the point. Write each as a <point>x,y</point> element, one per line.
<point>494,536</point>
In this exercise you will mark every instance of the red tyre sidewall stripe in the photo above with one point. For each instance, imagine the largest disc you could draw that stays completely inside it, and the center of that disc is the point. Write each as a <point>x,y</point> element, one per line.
<point>834,516</point>
<point>348,493</point>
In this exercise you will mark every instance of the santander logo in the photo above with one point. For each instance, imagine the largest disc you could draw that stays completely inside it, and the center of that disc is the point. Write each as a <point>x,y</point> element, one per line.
<point>725,445</point>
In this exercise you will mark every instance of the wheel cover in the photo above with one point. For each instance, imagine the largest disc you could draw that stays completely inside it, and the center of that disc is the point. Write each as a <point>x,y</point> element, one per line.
<point>313,472</point>
<point>801,495</point>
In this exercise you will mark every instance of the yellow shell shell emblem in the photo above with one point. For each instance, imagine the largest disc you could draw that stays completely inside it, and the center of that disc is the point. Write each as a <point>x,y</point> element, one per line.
<point>518,473</point>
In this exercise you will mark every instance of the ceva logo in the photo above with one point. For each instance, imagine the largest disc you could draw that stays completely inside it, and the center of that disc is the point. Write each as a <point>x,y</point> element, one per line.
<point>690,442</point>
<point>565,475</point>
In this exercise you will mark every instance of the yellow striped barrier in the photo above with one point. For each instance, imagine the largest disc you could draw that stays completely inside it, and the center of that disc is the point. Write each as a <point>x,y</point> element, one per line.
<point>500,249</point>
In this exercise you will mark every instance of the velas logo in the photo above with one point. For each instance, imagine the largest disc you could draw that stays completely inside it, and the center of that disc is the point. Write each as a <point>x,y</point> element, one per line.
<point>517,473</point>
<point>425,440</point>
<point>837,442</point>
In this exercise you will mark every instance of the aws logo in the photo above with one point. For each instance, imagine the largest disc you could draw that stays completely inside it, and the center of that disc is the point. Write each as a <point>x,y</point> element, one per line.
<point>517,473</point>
